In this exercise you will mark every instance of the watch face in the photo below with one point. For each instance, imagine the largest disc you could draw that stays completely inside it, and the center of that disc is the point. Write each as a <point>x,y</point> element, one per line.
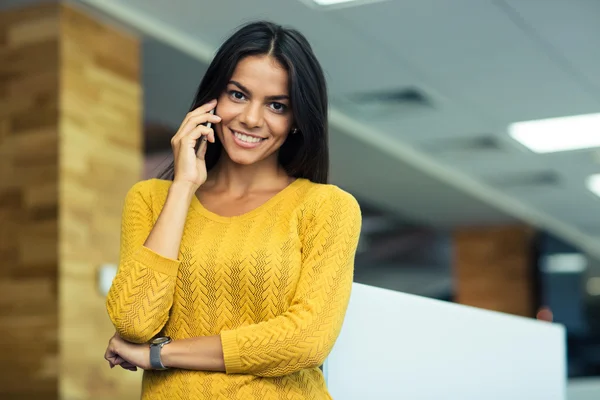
<point>160,340</point>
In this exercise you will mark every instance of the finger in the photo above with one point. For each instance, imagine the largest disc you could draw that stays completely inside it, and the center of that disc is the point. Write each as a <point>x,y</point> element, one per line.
<point>202,130</point>
<point>206,107</point>
<point>192,138</point>
<point>204,120</point>
<point>109,354</point>
<point>116,360</point>
<point>201,153</point>
<point>129,366</point>
<point>201,112</point>
<point>212,136</point>
<point>112,357</point>
<point>193,123</point>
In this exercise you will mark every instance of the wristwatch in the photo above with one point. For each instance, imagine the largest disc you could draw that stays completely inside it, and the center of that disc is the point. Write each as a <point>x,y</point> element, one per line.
<point>156,345</point>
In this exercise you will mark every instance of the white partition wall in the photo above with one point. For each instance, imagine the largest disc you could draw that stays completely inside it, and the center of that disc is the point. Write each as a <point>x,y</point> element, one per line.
<point>399,346</point>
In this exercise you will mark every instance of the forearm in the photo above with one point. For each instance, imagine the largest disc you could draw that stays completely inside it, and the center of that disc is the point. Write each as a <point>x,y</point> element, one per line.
<point>203,353</point>
<point>165,237</point>
<point>141,294</point>
<point>139,299</point>
<point>299,339</point>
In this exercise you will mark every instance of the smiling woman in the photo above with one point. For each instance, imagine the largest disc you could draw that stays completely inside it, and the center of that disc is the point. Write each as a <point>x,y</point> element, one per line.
<point>255,111</point>
<point>236,266</point>
<point>299,87</point>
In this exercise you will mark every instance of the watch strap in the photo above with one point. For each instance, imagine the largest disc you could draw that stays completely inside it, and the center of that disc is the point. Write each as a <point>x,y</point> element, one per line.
<point>155,360</point>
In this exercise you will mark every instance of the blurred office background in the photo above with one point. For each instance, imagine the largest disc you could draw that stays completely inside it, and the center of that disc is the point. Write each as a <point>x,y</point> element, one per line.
<point>423,93</point>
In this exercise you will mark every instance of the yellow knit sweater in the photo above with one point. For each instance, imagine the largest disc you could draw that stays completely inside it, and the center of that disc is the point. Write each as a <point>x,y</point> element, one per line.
<point>274,283</point>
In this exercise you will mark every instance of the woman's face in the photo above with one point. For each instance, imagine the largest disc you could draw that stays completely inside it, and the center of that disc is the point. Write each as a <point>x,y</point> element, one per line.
<point>255,111</point>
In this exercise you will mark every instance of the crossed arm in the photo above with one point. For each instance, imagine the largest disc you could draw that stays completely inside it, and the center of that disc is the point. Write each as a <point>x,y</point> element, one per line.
<point>302,337</point>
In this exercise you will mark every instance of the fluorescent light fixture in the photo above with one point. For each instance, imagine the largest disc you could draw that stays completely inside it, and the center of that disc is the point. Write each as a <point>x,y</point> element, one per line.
<point>327,3</point>
<point>558,134</point>
<point>569,263</point>
<point>593,184</point>
<point>331,2</point>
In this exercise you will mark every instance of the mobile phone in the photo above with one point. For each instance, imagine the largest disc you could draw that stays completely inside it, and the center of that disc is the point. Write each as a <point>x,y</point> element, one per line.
<point>209,124</point>
<point>204,138</point>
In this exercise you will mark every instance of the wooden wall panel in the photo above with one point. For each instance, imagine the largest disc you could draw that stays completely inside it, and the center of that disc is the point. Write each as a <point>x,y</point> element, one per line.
<point>70,147</point>
<point>101,157</point>
<point>493,269</point>
<point>29,46</point>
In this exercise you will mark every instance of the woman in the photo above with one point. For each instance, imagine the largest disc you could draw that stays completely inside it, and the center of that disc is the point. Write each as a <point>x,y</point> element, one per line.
<point>238,267</point>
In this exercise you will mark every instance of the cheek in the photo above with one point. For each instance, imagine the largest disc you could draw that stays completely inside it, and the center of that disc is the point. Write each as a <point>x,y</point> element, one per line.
<point>225,110</point>
<point>281,127</point>
<point>226,113</point>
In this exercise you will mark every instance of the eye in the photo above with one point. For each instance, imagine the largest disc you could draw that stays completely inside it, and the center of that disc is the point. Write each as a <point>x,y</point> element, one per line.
<point>278,107</point>
<point>234,94</point>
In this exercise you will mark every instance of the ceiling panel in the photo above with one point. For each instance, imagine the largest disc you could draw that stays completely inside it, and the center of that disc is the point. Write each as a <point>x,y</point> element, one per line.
<point>400,187</point>
<point>570,29</point>
<point>444,120</point>
<point>347,56</point>
<point>474,52</point>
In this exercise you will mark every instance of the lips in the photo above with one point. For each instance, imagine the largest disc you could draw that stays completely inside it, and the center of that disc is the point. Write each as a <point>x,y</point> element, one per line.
<point>248,135</point>
<point>246,140</point>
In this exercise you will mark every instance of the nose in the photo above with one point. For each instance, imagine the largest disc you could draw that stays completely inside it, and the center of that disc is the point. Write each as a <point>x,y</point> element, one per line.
<point>252,116</point>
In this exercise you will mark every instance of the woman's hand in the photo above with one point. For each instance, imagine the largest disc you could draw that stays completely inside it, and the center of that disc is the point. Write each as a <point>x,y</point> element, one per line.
<point>130,356</point>
<point>190,166</point>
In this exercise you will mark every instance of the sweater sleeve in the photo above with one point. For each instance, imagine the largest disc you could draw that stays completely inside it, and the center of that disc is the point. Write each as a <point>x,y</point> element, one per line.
<point>303,336</point>
<point>141,294</point>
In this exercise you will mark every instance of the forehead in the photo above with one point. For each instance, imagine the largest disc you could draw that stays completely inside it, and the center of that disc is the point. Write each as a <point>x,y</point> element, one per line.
<point>263,75</point>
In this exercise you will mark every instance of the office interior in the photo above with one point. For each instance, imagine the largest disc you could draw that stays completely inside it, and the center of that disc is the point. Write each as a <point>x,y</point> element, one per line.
<point>449,122</point>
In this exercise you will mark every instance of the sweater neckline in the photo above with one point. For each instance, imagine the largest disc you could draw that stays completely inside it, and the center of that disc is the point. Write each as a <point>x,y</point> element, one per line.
<point>199,207</point>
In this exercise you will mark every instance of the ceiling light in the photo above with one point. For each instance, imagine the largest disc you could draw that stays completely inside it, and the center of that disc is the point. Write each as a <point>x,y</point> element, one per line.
<point>593,184</point>
<point>569,263</point>
<point>326,3</point>
<point>558,134</point>
<point>330,2</point>
<point>593,286</point>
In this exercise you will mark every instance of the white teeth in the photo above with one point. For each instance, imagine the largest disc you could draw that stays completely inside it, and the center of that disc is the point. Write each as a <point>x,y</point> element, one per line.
<point>245,138</point>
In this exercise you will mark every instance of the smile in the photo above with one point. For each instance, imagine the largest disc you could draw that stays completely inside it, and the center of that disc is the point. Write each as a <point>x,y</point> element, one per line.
<point>246,141</point>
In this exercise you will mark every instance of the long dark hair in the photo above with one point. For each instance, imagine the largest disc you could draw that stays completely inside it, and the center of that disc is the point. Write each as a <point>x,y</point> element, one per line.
<point>306,153</point>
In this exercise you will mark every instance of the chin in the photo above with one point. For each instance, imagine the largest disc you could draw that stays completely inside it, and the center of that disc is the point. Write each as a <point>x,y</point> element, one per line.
<point>243,159</point>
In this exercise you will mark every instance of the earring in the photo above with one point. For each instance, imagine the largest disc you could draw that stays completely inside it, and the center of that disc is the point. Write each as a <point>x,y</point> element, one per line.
<point>294,131</point>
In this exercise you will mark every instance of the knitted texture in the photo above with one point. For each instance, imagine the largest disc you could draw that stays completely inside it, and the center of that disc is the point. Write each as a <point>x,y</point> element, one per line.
<point>274,283</point>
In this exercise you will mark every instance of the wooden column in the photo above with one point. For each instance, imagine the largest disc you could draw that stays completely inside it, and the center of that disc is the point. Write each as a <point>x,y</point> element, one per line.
<point>70,147</point>
<point>494,269</point>
<point>29,102</point>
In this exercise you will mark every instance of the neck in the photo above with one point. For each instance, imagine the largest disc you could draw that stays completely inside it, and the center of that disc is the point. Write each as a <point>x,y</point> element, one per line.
<point>236,178</point>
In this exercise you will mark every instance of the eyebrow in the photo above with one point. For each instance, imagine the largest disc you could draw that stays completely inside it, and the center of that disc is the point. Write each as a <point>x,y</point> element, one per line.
<point>270,98</point>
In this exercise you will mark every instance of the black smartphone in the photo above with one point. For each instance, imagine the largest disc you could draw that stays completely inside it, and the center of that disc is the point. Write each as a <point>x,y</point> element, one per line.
<point>204,138</point>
